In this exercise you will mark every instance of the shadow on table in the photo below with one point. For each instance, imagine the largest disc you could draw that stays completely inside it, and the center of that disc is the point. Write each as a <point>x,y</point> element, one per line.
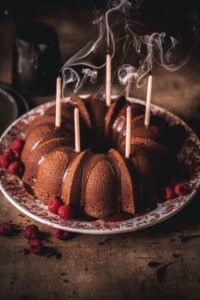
<point>185,219</point>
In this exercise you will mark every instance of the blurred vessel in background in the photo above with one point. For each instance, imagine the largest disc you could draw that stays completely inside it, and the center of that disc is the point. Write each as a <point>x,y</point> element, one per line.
<point>36,59</point>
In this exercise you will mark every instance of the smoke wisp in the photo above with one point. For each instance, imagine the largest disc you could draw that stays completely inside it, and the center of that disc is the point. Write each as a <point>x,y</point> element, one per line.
<point>133,53</point>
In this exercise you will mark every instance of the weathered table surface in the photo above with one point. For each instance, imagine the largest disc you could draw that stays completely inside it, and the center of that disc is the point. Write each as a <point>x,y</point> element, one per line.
<point>161,262</point>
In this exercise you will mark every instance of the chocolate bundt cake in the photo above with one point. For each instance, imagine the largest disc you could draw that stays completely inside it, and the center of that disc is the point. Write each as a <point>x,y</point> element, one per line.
<point>98,180</point>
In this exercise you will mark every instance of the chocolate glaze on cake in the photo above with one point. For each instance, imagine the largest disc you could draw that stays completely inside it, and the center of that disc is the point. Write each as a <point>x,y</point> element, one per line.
<point>99,180</point>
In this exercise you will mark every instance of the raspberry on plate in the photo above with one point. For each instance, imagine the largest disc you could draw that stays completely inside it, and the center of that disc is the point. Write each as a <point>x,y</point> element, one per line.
<point>182,189</point>
<point>173,181</point>
<point>17,154</point>
<point>10,155</point>
<point>54,204</point>
<point>16,168</point>
<point>169,193</point>
<point>65,212</point>
<point>17,144</point>
<point>4,162</point>
<point>7,157</point>
<point>31,232</point>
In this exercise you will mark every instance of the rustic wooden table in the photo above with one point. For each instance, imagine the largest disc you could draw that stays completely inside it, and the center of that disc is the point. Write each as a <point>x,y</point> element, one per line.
<point>162,262</point>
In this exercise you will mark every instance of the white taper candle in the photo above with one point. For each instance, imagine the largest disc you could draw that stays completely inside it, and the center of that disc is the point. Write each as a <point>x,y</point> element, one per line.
<point>128,86</point>
<point>108,79</point>
<point>128,132</point>
<point>77,130</point>
<point>58,101</point>
<point>148,101</point>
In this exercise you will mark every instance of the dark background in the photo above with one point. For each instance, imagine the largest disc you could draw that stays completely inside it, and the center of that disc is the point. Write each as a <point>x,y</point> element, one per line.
<point>176,17</point>
<point>121,266</point>
<point>72,21</point>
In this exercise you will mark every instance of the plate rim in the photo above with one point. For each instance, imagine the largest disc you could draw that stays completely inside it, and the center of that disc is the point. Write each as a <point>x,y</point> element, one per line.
<point>98,231</point>
<point>95,231</point>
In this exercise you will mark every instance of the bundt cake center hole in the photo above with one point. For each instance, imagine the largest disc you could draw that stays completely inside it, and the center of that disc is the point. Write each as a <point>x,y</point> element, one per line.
<point>98,143</point>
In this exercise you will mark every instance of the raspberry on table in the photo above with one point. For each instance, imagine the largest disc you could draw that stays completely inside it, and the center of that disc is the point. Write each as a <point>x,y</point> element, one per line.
<point>36,247</point>
<point>61,234</point>
<point>7,229</point>
<point>31,232</point>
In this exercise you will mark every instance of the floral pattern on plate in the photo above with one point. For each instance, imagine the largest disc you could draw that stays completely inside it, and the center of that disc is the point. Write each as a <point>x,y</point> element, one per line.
<point>12,187</point>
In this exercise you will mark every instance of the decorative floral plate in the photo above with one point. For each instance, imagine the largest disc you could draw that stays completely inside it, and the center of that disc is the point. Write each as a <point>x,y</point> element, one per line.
<point>12,187</point>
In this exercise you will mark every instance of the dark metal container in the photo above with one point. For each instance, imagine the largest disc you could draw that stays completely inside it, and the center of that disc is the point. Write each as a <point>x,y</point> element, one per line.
<point>36,59</point>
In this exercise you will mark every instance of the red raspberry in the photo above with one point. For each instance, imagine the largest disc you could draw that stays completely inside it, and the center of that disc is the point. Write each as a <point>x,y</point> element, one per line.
<point>182,189</point>
<point>10,155</point>
<point>169,193</point>
<point>36,247</point>
<point>16,168</point>
<point>7,229</point>
<point>31,232</point>
<point>173,181</point>
<point>4,162</point>
<point>17,144</point>
<point>61,234</point>
<point>65,212</point>
<point>6,158</point>
<point>53,205</point>
<point>17,154</point>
